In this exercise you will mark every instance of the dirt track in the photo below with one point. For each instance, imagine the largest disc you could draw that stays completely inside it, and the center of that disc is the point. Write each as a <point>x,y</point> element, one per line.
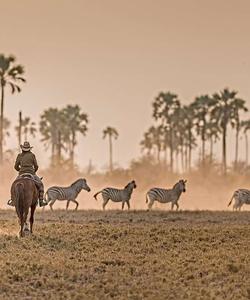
<point>120,255</point>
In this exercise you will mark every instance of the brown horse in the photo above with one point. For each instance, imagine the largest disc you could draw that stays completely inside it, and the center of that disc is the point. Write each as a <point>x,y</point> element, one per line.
<point>24,195</point>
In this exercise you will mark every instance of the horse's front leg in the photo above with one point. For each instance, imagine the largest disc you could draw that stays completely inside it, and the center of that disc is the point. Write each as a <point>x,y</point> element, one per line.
<point>32,211</point>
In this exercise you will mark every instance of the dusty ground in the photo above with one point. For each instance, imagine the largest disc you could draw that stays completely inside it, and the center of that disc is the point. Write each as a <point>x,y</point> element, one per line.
<point>121,255</point>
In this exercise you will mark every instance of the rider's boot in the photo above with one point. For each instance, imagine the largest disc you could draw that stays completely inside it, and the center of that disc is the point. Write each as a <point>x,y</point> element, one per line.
<point>42,201</point>
<point>10,203</point>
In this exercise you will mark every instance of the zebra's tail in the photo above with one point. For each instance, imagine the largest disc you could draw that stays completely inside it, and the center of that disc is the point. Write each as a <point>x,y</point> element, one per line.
<point>147,198</point>
<point>95,195</point>
<point>231,200</point>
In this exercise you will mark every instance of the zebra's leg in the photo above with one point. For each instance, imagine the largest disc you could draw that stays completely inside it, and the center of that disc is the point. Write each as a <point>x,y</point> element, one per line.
<point>128,204</point>
<point>67,205</point>
<point>177,206</point>
<point>172,205</point>
<point>75,203</point>
<point>51,203</point>
<point>150,204</point>
<point>104,203</point>
<point>123,205</point>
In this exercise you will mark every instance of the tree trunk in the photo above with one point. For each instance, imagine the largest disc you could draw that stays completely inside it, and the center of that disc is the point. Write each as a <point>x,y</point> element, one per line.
<point>224,150</point>
<point>189,149</point>
<point>165,156</point>
<point>26,135</point>
<point>186,157</point>
<point>182,159</point>
<point>171,151</point>
<point>110,154</point>
<point>20,129</point>
<point>236,148</point>
<point>59,148</point>
<point>1,123</point>
<point>177,161</point>
<point>53,154</point>
<point>72,150</point>
<point>203,146</point>
<point>211,149</point>
<point>246,140</point>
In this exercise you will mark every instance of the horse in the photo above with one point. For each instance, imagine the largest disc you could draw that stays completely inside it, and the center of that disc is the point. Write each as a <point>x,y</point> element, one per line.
<point>24,194</point>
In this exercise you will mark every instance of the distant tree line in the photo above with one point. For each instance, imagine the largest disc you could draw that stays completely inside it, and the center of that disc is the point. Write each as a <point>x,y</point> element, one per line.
<point>179,129</point>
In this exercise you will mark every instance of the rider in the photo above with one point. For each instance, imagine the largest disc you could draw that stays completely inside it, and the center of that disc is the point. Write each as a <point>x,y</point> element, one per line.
<point>26,163</point>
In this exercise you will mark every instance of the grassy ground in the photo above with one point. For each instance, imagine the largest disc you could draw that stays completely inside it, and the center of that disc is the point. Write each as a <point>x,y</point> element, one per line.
<point>126,255</point>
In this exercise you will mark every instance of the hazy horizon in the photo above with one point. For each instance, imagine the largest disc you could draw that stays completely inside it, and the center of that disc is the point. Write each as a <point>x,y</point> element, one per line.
<point>113,57</point>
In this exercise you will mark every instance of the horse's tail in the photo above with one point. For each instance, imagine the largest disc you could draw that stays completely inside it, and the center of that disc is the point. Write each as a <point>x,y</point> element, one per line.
<point>19,196</point>
<point>95,196</point>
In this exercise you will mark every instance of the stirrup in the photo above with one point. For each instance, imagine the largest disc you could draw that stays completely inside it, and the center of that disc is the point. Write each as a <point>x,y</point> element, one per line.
<point>10,203</point>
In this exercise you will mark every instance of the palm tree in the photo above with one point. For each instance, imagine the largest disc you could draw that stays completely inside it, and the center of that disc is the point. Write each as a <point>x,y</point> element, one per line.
<point>24,128</point>
<point>201,107</point>
<point>6,126</point>
<point>76,121</point>
<point>111,133</point>
<point>188,122</point>
<point>246,127</point>
<point>147,143</point>
<point>213,134</point>
<point>164,108</point>
<point>52,128</point>
<point>10,75</point>
<point>237,106</point>
<point>222,113</point>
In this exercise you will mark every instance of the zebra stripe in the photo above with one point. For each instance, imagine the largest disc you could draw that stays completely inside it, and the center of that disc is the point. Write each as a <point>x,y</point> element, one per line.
<point>69,193</point>
<point>166,195</point>
<point>240,196</point>
<point>117,195</point>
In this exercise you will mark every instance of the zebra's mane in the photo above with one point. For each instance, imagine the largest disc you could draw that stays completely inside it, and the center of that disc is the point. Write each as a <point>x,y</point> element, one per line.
<point>128,185</point>
<point>177,184</point>
<point>76,182</point>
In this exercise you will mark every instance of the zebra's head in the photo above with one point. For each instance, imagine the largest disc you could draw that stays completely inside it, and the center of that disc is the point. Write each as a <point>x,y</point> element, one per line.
<point>181,185</point>
<point>82,184</point>
<point>131,185</point>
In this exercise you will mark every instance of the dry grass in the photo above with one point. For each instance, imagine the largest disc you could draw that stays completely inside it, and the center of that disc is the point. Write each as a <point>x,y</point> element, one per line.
<point>127,255</point>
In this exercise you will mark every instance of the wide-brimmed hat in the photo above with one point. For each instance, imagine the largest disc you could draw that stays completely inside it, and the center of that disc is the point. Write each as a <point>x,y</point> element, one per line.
<point>26,146</point>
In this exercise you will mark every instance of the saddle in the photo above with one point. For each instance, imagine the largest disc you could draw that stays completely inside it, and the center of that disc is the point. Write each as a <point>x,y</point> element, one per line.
<point>29,176</point>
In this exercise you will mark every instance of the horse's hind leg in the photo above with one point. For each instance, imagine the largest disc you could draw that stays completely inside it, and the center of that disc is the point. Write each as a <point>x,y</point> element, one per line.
<point>21,233</point>
<point>32,211</point>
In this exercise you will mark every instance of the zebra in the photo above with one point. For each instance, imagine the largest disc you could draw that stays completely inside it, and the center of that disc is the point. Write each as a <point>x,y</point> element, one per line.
<point>117,195</point>
<point>241,196</point>
<point>166,195</point>
<point>66,193</point>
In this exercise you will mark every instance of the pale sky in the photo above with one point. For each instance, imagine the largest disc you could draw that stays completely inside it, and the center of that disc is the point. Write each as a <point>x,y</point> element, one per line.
<point>112,57</point>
